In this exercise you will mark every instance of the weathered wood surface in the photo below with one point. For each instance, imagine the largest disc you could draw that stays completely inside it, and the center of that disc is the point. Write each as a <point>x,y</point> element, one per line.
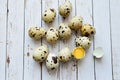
<point>101,18</point>
<point>115,39</point>
<point>32,17</point>
<point>69,68</point>
<point>16,47</point>
<point>3,28</point>
<point>86,66</point>
<point>15,40</point>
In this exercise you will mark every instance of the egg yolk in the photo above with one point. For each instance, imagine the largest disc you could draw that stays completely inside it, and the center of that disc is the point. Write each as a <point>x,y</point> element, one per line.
<point>79,53</point>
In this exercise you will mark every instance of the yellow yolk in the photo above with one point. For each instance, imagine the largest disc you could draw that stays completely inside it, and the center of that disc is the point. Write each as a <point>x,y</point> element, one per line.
<point>79,53</point>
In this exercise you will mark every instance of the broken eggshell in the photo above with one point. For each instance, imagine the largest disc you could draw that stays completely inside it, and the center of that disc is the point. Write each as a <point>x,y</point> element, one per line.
<point>78,53</point>
<point>98,52</point>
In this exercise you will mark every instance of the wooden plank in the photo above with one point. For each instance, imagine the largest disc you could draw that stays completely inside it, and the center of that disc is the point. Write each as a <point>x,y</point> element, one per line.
<point>86,65</point>
<point>32,69</point>
<point>50,75</point>
<point>15,40</point>
<point>115,33</point>
<point>3,21</point>
<point>103,67</point>
<point>68,69</point>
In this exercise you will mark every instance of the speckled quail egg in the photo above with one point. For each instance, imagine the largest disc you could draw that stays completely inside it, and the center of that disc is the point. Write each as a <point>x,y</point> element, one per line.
<point>64,55</point>
<point>49,15</point>
<point>41,53</point>
<point>65,9</point>
<point>52,62</point>
<point>36,32</point>
<point>64,31</point>
<point>76,23</point>
<point>87,30</point>
<point>83,42</point>
<point>52,35</point>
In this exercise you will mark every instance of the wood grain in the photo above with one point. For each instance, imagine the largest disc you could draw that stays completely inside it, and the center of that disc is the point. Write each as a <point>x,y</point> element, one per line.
<point>15,38</point>
<point>3,23</point>
<point>68,68</point>
<point>103,67</point>
<point>50,75</point>
<point>115,33</point>
<point>16,47</point>
<point>32,19</point>
<point>86,65</point>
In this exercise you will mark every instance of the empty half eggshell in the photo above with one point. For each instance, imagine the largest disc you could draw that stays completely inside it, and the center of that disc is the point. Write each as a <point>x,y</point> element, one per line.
<point>98,52</point>
<point>78,53</point>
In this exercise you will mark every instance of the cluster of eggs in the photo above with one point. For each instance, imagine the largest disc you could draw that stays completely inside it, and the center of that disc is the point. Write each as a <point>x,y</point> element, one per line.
<point>63,32</point>
<point>52,61</point>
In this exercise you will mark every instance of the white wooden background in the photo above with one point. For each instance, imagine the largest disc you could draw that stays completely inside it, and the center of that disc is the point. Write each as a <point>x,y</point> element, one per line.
<point>16,63</point>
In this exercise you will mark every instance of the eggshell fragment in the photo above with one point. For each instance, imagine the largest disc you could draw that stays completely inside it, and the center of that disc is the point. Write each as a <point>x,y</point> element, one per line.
<point>98,52</point>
